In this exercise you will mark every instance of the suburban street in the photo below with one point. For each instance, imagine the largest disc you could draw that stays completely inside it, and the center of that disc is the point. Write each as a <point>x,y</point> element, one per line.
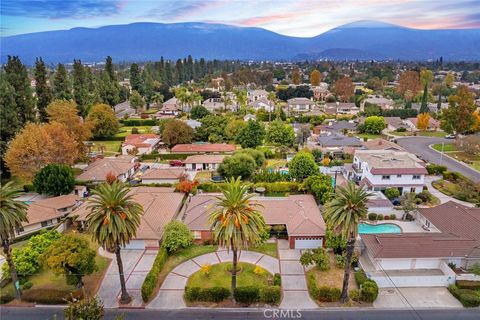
<point>420,147</point>
<point>48,313</point>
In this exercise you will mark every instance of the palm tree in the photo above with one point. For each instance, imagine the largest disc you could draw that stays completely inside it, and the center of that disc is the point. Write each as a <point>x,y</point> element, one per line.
<point>235,221</point>
<point>227,101</point>
<point>157,98</point>
<point>12,214</point>
<point>344,213</point>
<point>113,221</point>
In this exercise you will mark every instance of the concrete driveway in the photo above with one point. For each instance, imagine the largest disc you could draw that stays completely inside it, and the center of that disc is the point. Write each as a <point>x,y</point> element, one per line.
<point>136,265</point>
<point>421,147</point>
<point>418,298</point>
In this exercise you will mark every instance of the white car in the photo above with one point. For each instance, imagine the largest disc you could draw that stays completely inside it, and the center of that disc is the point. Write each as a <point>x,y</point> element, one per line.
<point>450,136</point>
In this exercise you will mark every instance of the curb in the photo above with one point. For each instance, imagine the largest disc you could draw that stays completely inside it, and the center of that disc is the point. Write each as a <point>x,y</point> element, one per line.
<point>447,156</point>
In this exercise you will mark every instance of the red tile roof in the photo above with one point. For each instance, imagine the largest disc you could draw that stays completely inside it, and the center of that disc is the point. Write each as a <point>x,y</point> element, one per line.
<point>205,147</point>
<point>139,139</point>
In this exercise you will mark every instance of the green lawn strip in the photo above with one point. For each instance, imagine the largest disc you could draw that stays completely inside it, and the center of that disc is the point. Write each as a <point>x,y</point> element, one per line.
<point>266,248</point>
<point>438,134</point>
<point>124,131</point>
<point>112,147</point>
<point>447,147</point>
<point>219,276</point>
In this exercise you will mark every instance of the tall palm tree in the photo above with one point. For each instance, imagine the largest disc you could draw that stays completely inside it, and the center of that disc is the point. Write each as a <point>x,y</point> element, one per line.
<point>344,213</point>
<point>12,214</point>
<point>113,221</point>
<point>235,221</point>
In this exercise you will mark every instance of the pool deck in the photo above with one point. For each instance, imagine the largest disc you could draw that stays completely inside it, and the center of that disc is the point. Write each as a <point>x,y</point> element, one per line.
<point>406,226</point>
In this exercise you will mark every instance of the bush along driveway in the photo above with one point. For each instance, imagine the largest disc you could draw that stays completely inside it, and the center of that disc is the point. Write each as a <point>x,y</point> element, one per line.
<point>171,293</point>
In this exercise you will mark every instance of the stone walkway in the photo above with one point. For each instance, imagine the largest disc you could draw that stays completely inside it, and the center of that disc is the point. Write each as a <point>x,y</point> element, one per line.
<point>136,265</point>
<point>170,295</point>
<point>294,283</point>
<point>442,197</point>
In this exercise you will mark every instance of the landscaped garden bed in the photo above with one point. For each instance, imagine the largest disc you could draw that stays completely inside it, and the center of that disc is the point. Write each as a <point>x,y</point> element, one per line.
<point>455,185</point>
<point>211,286</point>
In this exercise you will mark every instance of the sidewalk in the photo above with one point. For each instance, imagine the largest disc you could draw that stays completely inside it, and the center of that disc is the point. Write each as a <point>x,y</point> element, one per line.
<point>442,197</point>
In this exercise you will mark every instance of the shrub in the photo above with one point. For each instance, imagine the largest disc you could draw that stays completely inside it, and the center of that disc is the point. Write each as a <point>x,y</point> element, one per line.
<point>247,294</point>
<point>386,217</point>
<point>151,279</point>
<point>466,284</point>
<point>312,286</point>
<point>206,268</point>
<point>393,217</point>
<point>379,217</point>
<point>369,291</point>
<point>88,309</point>
<point>258,270</point>
<point>134,130</point>
<point>468,298</point>
<point>328,294</point>
<point>392,193</point>
<point>27,285</point>
<point>316,256</point>
<point>50,296</point>
<point>6,297</point>
<point>54,179</point>
<point>214,294</point>
<point>360,277</point>
<point>277,279</point>
<point>340,261</point>
<point>401,129</point>
<point>138,123</point>
<point>354,294</point>
<point>177,235</point>
<point>320,185</point>
<point>270,295</point>
<point>187,186</point>
<point>435,168</point>
<point>372,216</point>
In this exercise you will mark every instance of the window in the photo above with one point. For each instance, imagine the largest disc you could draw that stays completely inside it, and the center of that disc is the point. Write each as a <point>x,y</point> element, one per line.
<point>399,175</point>
<point>412,190</point>
<point>197,234</point>
<point>385,177</point>
<point>46,223</point>
<point>416,177</point>
<point>19,230</point>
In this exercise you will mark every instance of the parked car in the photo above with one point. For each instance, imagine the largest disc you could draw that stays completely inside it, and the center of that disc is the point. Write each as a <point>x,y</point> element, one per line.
<point>176,163</point>
<point>450,136</point>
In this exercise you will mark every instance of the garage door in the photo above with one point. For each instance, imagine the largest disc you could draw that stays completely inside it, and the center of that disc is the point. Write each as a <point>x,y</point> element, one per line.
<point>135,244</point>
<point>308,243</point>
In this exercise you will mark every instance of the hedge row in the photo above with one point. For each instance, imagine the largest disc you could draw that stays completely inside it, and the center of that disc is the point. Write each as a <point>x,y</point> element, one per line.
<point>215,294</point>
<point>270,187</point>
<point>368,288</point>
<point>138,122</point>
<point>109,139</point>
<point>467,284</point>
<point>50,296</point>
<point>468,298</point>
<point>253,294</point>
<point>435,169</point>
<point>324,294</point>
<point>151,280</point>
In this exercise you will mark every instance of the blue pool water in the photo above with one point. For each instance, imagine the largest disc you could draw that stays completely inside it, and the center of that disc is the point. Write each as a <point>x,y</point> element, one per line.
<point>378,228</point>
<point>28,202</point>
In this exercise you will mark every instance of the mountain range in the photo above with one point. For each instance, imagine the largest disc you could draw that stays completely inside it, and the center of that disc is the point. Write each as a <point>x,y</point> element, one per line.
<point>362,40</point>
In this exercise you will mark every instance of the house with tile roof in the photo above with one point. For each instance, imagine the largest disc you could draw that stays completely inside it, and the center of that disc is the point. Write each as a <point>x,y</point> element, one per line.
<point>48,212</point>
<point>204,162</point>
<point>160,206</point>
<point>451,236</point>
<point>162,175</point>
<point>379,170</point>
<point>123,167</point>
<point>143,143</point>
<point>198,148</point>
<point>299,214</point>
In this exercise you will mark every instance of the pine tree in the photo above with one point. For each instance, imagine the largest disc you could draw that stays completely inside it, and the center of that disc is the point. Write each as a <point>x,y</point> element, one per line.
<point>17,76</point>
<point>110,69</point>
<point>135,77</point>
<point>62,89</point>
<point>42,89</point>
<point>424,105</point>
<point>80,88</point>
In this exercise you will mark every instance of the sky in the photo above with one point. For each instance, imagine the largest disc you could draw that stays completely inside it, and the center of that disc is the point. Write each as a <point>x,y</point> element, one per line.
<point>302,18</point>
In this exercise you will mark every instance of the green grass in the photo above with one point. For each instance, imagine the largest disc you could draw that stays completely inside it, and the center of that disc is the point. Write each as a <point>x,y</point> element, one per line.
<point>266,248</point>
<point>219,276</point>
<point>438,134</point>
<point>447,147</point>
<point>402,134</point>
<point>369,136</point>
<point>112,147</point>
<point>125,131</point>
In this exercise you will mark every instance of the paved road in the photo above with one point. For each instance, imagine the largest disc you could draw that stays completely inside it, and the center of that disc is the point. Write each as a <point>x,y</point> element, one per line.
<point>420,147</point>
<point>13,313</point>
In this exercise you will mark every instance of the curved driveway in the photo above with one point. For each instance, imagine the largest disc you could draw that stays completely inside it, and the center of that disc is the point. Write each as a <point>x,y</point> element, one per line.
<point>420,147</point>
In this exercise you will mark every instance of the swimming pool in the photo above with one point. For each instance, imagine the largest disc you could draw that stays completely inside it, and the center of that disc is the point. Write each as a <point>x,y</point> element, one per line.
<point>378,228</point>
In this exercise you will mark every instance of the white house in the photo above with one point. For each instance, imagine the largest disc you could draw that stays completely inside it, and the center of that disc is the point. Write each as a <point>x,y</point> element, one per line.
<point>122,167</point>
<point>214,104</point>
<point>300,104</point>
<point>254,95</point>
<point>451,235</point>
<point>382,169</point>
<point>342,108</point>
<point>143,143</point>
<point>380,101</point>
<point>47,213</point>
<point>263,103</point>
<point>204,162</point>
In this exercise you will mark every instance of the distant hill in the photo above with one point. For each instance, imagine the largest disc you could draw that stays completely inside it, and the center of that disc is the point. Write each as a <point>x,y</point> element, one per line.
<point>362,40</point>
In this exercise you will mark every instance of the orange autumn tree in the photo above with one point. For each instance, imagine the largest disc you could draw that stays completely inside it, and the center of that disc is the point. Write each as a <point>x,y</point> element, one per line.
<point>186,186</point>
<point>296,77</point>
<point>344,89</point>
<point>409,84</point>
<point>476,123</point>
<point>422,121</point>
<point>315,78</point>
<point>38,145</point>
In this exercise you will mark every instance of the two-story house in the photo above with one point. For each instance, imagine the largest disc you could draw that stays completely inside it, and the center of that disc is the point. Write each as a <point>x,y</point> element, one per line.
<point>382,169</point>
<point>300,104</point>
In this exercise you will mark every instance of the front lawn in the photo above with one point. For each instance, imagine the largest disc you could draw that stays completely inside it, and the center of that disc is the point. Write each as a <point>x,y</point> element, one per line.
<point>438,134</point>
<point>267,248</point>
<point>333,277</point>
<point>220,276</point>
<point>462,190</point>
<point>472,160</point>
<point>111,147</point>
<point>125,131</point>
<point>447,147</point>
